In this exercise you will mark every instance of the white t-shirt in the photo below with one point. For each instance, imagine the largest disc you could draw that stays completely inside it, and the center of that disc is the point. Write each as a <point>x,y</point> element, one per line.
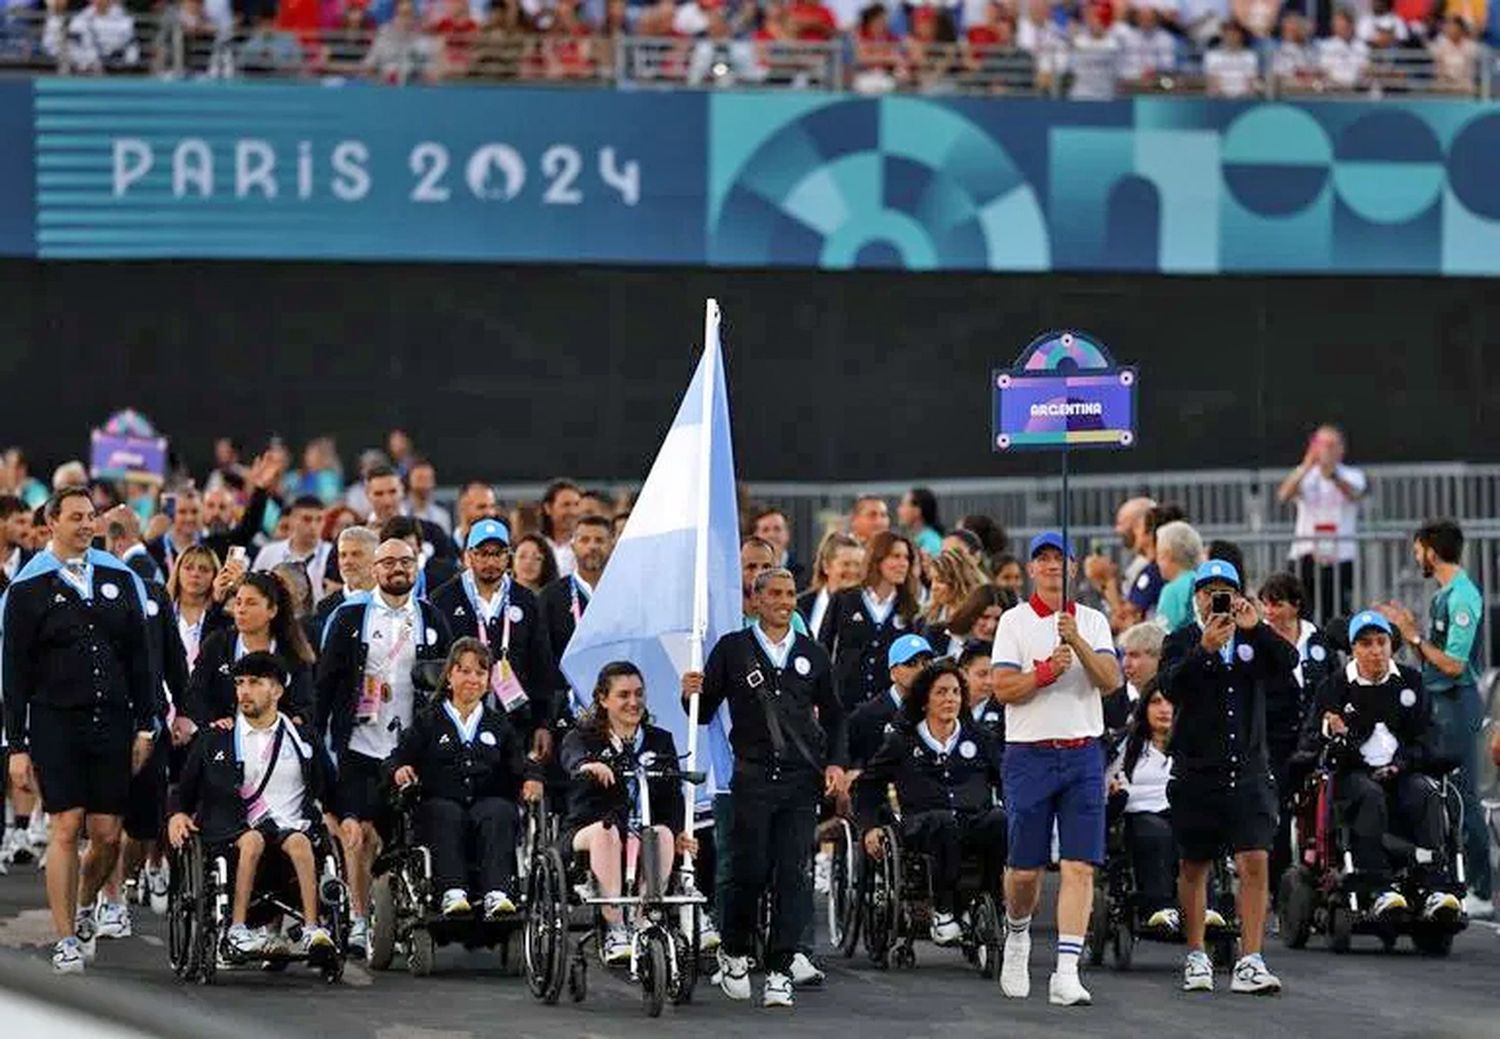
<point>1343,61</point>
<point>393,637</point>
<point>1232,71</point>
<point>567,562</point>
<point>283,795</point>
<point>1147,790</point>
<point>1324,512</point>
<point>278,552</point>
<point>1070,708</point>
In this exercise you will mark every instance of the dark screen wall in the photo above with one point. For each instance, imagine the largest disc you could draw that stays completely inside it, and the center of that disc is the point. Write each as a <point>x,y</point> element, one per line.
<point>519,373</point>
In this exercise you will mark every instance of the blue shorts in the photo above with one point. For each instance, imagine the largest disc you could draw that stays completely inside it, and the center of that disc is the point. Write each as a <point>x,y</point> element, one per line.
<point>1062,785</point>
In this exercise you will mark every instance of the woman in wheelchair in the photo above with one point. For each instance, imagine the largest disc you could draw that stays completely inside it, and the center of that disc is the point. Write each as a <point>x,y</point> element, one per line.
<point>603,758</point>
<point>1138,791</point>
<point>255,786</point>
<point>946,770</point>
<point>470,763</point>
<point>1380,713</point>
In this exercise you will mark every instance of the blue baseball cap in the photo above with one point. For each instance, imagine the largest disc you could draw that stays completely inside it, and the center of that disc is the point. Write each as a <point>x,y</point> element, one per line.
<point>487,530</point>
<point>1050,539</point>
<point>1367,619</point>
<point>905,648</point>
<point>1217,570</point>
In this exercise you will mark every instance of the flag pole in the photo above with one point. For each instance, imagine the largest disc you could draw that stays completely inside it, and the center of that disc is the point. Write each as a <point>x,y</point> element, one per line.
<point>700,548</point>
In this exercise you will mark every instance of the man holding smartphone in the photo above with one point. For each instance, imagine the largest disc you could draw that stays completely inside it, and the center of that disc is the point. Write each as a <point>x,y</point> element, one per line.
<point>1223,797</point>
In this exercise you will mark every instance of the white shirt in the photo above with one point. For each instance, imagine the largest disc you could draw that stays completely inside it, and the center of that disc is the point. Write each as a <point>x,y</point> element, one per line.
<point>1095,63</point>
<point>1343,61</point>
<point>393,633</point>
<point>1147,791</point>
<point>777,651</point>
<point>1140,50</point>
<point>192,637</point>
<point>1070,708</point>
<point>278,552</point>
<point>12,563</point>
<point>819,608</point>
<point>567,562</point>
<point>1324,512</point>
<point>1381,746</point>
<point>283,796</point>
<point>1231,72</point>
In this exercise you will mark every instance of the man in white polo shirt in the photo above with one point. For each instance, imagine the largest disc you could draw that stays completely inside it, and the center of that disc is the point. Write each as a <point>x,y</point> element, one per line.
<point>1327,493</point>
<point>1054,661</point>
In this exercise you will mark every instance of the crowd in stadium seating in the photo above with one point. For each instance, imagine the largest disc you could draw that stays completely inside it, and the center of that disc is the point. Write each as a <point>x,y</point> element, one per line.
<point>1088,50</point>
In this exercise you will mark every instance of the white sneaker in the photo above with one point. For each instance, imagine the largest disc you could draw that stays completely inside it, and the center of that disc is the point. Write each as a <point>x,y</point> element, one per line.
<point>1066,990</point>
<point>87,933</point>
<point>1441,905</point>
<point>17,850</point>
<point>734,975</point>
<point>1251,976</point>
<point>945,930</point>
<point>616,945</point>
<point>822,872</point>
<point>67,956</point>
<point>359,934</point>
<point>156,882</point>
<point>316,941</point>
<point>113,920</point>
<point>1015,965</point>
<point>1165,920</point>
<point>1197,972</point>
<point>1388,902</point>
<point>497,904</point>
<point>708,934</point>
<point>456,902</point>
<point>778,991</point>
<point>805,973</point>
<point>245,941</point>
<point>1476,908</point>
<point>1213,918</point>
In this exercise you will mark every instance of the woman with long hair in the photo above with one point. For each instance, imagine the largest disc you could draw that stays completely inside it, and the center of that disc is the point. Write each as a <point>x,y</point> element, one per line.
<point>191,588</point>
<point>264,619</point>
<point>862,622</point>
<point>1139,776</point>
<point>979,614</point>
<point>472,765</point>
<point>839,564</point>
<point>602,758</point>
<point>952,578</point>
<point>532,563</point>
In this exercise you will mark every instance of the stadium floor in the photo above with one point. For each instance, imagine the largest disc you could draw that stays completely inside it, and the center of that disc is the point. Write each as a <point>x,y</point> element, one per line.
<point>1365,993</point>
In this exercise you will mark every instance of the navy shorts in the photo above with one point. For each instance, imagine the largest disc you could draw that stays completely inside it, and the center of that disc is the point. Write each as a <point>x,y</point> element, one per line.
<point>1061,785</point>
<point>1211,818</point>
<point>361,790</point>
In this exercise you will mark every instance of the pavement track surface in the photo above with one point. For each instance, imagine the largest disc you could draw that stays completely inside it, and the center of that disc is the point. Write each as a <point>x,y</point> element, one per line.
<point>1366,994</point>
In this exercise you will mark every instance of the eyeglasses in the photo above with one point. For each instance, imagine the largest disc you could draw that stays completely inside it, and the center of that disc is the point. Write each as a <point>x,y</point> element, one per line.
<point>391,563</point>
<point>490,553</point>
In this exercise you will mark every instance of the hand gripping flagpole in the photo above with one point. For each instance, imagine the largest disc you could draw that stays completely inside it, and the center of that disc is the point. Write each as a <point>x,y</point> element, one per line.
<point>700,553</point>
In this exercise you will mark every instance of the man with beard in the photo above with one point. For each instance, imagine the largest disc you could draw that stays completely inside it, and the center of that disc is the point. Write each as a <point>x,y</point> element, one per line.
<point>367,693</point>
<point>563,601</point>
<point>209,519</point>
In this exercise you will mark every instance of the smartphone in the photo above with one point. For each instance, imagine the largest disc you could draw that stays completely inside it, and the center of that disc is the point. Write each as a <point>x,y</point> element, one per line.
<point>169,506</point>
<point>1219,603</point>
<point>236,553</point>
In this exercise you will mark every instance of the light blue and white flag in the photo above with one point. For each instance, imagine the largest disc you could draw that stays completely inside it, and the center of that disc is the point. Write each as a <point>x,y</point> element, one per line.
<point>674,576</point>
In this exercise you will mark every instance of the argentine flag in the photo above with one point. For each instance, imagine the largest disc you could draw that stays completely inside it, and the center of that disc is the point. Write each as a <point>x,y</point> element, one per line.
<point>681,543</point>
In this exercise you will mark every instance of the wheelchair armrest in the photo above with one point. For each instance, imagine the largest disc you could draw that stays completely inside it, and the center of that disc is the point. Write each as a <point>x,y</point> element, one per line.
<point>404,798</point>
<point>1438,767</point>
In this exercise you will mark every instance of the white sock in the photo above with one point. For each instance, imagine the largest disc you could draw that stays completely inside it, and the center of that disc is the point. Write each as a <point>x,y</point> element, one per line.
<point>1069,947</point>
<point>1020,926</point>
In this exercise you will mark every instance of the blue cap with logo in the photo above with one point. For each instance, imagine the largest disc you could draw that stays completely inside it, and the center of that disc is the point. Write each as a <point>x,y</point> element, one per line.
<point>905,648</point>
<point>1050,539</point>
<point>487,530</point>
<point>1217,570</point>
<point>1367,619</point>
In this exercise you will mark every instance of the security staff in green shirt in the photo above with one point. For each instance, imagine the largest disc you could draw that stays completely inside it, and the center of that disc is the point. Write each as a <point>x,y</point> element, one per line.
<point>1450,657</point>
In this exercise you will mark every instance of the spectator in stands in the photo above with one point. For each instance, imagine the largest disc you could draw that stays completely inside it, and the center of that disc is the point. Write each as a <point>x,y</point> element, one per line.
<point>421,481</point>
<point>877,52</point>
<point>1327,493</point>
<point>1380,18</point>
<point>1041,37</point>
<point>1390,68</point>
<point>456,28</point>
<point>402,51</point>
<point>719,59</point>
<point>1256,18</point>
<point>868,518</point>
<point>1095,59</point>
<point>1147,50</point>
<point>1455,57</point>
<point>1343,57</point>
<point>270,49</point>
<point>1295,63</point>
<point>929,51</point>
<point>1231,69</point>
<point>991,51</point>
<point>569,53</point>
<point>810,21</point>
<point>503,39</point>
<point>100,37</point>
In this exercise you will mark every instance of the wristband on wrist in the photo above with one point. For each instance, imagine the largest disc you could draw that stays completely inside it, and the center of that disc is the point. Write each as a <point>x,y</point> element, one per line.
<point>1045,676</point>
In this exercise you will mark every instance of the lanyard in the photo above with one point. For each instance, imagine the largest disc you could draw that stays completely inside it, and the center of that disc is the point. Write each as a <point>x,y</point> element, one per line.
<point>481,622</point>
<point>404,633</point>
<point>577,607</point>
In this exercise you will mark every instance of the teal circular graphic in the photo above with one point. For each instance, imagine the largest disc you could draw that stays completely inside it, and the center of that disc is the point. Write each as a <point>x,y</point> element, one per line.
<point>1064,352</point>
<point>1275,160</point>
<point>892,183</point>
<point>1471,166</point>
<point>1388,166</point>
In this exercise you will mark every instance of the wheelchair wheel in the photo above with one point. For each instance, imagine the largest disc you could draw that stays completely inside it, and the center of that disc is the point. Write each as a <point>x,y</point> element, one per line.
<point>843,892</point>
<point>513,952</point>
<point>1433,943</point>
<point>381,947</point>
<point>1122,945</point>
<point>1099,925</point>
<point>653,972</point>
<point>1340,928</point>
<point>421,950</point>
<point>1221,951</point>
<point>546,942</point>
<point>985,922</point>
<point>186,890</point>
<point>578,980</point>
<point>685,964</point>
<point>1294,909</point>
<point>883,899</point>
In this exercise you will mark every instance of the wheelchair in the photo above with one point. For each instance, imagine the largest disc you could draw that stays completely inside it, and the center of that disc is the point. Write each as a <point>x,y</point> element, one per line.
<point>846,866</point>
<point>1320,893</point>
<point>893,904</point>
<point>565,918</point>
<point>404,916</point>
<point>1116,924</point>
<point>200,897</point>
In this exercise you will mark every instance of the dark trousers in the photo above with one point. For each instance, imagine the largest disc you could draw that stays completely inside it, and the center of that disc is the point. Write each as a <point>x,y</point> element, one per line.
<point>1368,805</point>
<point>770,841</point>
<point>945,837</point>
<point>1328,589</point>
<point>1457,715</point>
<point>1153,856</point>
<point>446,827</point>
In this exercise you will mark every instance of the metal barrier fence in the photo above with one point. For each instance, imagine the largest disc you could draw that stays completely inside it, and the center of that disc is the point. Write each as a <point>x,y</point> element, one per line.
<point>1085,68</point>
